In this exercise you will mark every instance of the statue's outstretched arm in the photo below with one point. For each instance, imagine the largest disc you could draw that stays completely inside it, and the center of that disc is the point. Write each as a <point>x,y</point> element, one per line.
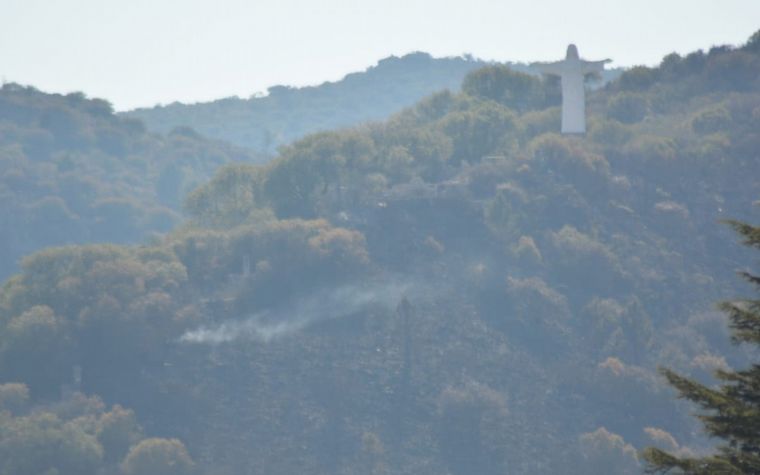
<point>548,68</point>
<point>595,66</point>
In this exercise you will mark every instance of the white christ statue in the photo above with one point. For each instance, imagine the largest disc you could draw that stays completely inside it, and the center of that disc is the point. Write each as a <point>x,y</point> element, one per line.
<point>572,71</point>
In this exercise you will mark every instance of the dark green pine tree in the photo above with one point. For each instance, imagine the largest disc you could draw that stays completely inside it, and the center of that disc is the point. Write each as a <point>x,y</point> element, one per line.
<point>730,412</point>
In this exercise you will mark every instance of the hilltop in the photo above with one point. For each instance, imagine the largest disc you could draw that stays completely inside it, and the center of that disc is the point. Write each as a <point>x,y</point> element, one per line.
<point>288,113</point>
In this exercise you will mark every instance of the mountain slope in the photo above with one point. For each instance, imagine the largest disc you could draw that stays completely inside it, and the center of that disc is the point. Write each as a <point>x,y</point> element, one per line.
<point>459,289</point>
<point>286,114</point>
<point>71,172</point>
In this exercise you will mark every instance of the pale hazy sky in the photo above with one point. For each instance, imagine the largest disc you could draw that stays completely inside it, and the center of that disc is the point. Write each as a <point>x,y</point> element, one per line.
<point>142,52</point>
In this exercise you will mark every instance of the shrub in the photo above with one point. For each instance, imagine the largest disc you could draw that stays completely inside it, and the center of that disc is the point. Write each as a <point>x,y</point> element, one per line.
<point>711,120</point>
<point>628,107</point>
<point>158,457</point>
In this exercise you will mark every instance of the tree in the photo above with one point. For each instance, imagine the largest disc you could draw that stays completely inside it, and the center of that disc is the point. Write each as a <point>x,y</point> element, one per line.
<point>628,107</point>
<point>117,431</point>
<point>36,349</point>
<point>730,412</point>
<point>42,443</point>
<point>511,88</point>
<point>604,452</point>
<point>480,131</point>
<point>14,397</point>
<point>158,457</point>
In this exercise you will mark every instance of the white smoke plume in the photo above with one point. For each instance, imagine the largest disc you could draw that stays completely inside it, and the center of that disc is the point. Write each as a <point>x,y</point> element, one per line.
<point>295,316</point>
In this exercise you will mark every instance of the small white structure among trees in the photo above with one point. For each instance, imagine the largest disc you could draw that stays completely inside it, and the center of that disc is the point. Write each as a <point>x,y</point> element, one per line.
<point>572,70</point>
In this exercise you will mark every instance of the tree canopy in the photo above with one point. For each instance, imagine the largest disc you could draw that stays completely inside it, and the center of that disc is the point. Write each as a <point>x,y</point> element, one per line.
<point>730,412</point>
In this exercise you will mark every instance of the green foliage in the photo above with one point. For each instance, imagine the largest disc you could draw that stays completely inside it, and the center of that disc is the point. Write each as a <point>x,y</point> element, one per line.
<point>502,84</point>
<point>540,122</point>
<point>610,132</point>
<point>505,214</point>
<point>651,149</point>
<point>566,156</point>
<point>110,301</point>
<point>308,170</point>
<point>76,436</point>
<point>729,412</point>
<point>317,253</point>
<point>13,397</point>
<point>628,107</point>
<point>604,452</point>
<point>436,106</point>
<point>265,122</point>
<point>231,198</point>
<point>736,71</point>
<point>72,172</point>
<point>40,443</point>
<point>117,431</point>
<point>539,263</point>
<point>711,120</point>
<point>753,43</point>
<point>640,78</point>
<point>285,114</point>
<point>477,133</point>
<point>158,457</point>
<point>36,348</point>
<point>431,148</point>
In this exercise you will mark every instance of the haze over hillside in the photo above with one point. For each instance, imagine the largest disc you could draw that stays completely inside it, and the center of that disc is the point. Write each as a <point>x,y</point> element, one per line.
<point>287,113</point>
<point>73,172</point>
<point>458,289</point>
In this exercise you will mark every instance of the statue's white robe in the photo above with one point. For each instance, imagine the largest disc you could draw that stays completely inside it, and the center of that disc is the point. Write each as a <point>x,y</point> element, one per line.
<point>572,71</point>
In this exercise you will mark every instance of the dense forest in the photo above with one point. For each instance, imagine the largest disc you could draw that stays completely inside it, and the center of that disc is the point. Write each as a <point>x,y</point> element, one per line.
<point>71,171</point>
<point>266,122</point>
<point>457,289</point>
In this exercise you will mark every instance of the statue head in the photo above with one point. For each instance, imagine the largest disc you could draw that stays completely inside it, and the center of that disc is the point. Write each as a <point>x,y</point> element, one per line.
<point>572,52</point>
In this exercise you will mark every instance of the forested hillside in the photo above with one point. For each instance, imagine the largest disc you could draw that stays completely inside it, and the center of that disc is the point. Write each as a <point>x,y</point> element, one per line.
<point>456,290</point>
<point>71,172</point>
<point>289,113</point>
